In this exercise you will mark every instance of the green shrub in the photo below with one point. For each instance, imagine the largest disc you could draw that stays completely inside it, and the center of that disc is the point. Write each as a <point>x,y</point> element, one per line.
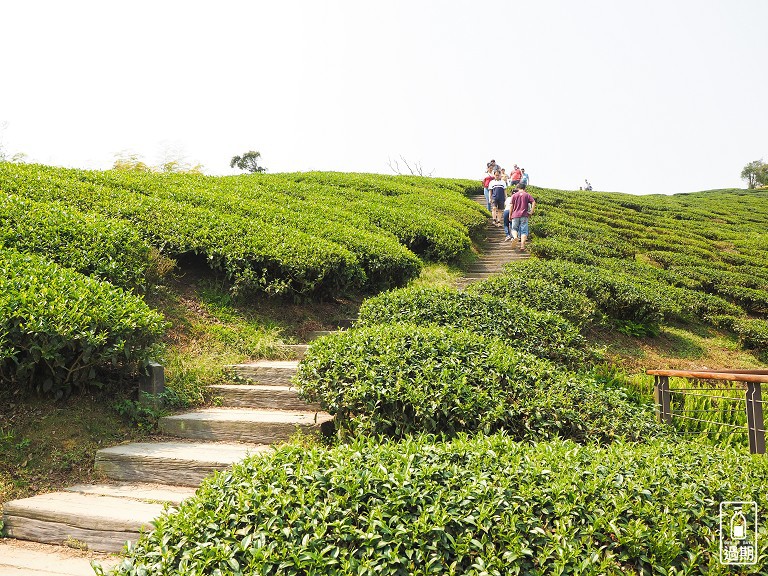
<point>295,235</point>
<point>107,248</point>
<point>402,379</point>
<point>753,333</point>
<point>540,294</point>
<point>59,326</point>
<point>616,295</point>
<point>474,506</point>
<point>544,334</point>
<point>564,249</point>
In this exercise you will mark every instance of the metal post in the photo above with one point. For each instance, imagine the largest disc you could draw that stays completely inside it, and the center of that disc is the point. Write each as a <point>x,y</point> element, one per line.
<point>663,399</point>
<point>152,385</point>
<point>755,422</point>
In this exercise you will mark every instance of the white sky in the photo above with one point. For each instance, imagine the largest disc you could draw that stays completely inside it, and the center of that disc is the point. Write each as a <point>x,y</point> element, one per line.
<point>643,96</point>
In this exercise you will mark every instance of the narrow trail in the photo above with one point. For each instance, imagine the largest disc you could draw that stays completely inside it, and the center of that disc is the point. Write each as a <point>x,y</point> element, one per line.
<point>495,252</point>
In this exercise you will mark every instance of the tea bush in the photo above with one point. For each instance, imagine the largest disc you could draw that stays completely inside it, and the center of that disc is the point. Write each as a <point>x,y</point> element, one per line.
<point>398,379</point>
<point>58,327</point>
<point>322,235</point>
<point>103,247</point>
<point>540,294</point>
<point>614,294</point>
<point>544,334</point>
<point>702,254</point>
<point>475,506</point>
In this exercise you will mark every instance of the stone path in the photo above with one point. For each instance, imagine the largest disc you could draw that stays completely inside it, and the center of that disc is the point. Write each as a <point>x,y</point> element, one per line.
<point>495,252</point>
<point>257,409</point>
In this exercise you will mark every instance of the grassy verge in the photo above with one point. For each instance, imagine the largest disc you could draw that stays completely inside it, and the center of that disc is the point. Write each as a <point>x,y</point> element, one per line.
<point>45,445</point>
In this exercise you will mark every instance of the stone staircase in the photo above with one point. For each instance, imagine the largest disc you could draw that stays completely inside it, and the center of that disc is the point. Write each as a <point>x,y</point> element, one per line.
<point>496,252</point>
<point>259,408</point>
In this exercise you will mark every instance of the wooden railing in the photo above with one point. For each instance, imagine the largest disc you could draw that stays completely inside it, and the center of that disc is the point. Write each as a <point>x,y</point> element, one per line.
<point>748,382</point>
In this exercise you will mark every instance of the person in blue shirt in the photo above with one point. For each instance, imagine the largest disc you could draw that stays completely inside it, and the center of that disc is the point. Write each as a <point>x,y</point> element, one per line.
<point>524,179</point>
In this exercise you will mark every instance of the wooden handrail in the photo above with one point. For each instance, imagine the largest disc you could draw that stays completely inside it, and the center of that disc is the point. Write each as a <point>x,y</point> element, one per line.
<point>760,376</point>
<point>753,397</point>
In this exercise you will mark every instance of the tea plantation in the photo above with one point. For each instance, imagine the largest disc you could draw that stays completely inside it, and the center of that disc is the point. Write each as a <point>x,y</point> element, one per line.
<point>477,431</point>
<point>294,236</point>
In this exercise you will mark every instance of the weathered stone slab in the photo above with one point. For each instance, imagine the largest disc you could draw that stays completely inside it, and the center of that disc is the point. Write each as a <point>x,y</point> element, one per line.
<point>242,425</point>
<point>99,523</point>
<point>180,463</point>
<point>266,372</point>
<point>137,491</point>
<point>22,558</point>
<point>261,396</point>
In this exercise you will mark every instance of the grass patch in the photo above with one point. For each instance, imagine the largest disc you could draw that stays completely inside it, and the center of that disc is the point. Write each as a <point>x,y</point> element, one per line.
<point>46,445</point>
<point>676,347</point>
<point>437,276</point>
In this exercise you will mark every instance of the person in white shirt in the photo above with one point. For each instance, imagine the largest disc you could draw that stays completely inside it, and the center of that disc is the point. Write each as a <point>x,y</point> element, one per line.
<point>507,210</point>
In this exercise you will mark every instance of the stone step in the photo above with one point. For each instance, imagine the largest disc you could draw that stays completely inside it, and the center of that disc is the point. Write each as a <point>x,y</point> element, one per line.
<point>242,425</point>
<point>23,558</point>
<point>484,268</point>
<point>315,334</point>
<point>179,463</point>
<point>261,396</point>
<point>266,372</point>
<point>136,491</point>
<point>296,350</point>
<point>88,521</point>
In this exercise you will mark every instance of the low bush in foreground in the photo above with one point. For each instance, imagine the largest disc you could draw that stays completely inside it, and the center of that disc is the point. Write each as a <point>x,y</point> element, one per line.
<point>403,379</point>
<point>485,505</point>
<point>543,334</point>
<point>57,327</point>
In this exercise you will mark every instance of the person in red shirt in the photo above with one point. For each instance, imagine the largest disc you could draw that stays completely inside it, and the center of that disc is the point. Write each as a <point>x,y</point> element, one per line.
<point>516,176</point>
<point>523,204</point>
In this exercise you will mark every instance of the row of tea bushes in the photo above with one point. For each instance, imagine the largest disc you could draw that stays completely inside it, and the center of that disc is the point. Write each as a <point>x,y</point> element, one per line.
<point>400,379</point>
<point>58,327</point>
<point>705,255</point>
<point>474,506</point>
<point>273,234</point>
<point>432,222</point>
<point>543,334</point>
<point>106,248</point>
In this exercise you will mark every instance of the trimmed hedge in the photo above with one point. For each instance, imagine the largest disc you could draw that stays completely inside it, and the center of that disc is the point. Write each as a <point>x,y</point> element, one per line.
<point>479,506</point>
<point>286,234</point>
<point>616,295</point>
<point>400,379</point>
<point>543,334</point>
<point>107,248</point>
<point>58,327</point>
<point>516,285</point>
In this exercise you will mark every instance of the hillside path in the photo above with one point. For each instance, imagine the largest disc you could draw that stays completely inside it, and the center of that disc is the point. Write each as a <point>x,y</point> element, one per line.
<point>495,252</point>
<point>57,534</point>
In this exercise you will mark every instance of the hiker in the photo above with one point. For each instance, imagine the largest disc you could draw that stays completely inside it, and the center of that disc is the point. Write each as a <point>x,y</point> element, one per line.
<point>524,179</point>
<point>497,187</point>
<point>588,185</point>
<point>507,211</point>
<point>516,176</point>
<point>523,205</point>
<point>487,177</point>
